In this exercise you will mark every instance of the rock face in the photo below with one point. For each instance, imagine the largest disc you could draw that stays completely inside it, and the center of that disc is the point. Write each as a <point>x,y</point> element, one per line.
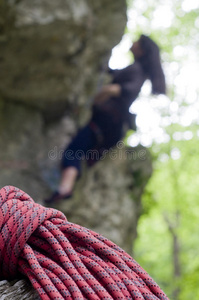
<point>108,197</point>
<point>52,57</point>
<point>17,290</point>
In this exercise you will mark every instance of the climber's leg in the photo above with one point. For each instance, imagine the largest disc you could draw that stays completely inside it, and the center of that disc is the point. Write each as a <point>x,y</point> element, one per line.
<point>67,182</point>
<point>78,149</point>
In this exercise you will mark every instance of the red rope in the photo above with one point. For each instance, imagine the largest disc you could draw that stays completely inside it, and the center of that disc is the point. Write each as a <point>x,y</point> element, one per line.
<point>64,260</point>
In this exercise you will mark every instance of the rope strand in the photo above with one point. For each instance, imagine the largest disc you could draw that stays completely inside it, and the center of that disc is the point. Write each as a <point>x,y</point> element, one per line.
<point>64,260</point>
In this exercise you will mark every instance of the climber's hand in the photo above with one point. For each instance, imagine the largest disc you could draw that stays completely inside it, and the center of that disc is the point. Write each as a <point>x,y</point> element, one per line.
<point>107,91</point>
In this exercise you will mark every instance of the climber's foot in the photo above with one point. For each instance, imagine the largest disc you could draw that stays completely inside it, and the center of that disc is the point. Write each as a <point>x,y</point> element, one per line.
<point>56,197</point>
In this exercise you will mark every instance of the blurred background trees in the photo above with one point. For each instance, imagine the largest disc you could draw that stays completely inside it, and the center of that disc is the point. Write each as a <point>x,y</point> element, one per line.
<point>167,243</point>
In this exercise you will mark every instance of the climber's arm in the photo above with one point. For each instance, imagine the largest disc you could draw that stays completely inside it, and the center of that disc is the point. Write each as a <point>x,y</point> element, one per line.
<point>107,91</point>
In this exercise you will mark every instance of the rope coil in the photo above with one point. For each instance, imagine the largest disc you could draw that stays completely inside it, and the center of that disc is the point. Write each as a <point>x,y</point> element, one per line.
<point>64,260</point>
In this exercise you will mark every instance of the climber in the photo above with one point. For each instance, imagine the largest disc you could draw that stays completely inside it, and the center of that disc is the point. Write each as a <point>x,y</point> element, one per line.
<point>110,113</point>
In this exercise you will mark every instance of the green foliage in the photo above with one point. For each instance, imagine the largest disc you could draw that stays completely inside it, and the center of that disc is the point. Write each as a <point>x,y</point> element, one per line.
<point>167,243</point>
<point>172,188</point>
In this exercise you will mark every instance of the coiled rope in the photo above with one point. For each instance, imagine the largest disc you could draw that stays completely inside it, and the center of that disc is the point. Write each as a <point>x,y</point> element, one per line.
<point>64,260</point>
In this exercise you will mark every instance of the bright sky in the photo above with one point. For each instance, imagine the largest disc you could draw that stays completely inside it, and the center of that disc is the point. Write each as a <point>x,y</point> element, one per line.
<point>148,108</point>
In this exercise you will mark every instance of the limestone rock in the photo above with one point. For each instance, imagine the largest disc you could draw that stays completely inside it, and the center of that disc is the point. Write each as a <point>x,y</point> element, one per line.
<point>21,145</point>
<point>107,198</point>
<point>17,290</point>
<point>52,57</point>
<point>56,49</point>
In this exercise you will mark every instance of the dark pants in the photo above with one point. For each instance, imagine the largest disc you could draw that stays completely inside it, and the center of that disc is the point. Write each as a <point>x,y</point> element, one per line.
<point>80,148</point>
<point>88,145</point>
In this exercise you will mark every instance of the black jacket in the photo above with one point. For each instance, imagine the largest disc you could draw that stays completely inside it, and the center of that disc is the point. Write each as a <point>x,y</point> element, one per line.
<point>112,114</point>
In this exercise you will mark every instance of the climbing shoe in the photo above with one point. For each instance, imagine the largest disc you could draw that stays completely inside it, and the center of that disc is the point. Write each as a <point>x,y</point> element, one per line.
<point>56,197</point>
